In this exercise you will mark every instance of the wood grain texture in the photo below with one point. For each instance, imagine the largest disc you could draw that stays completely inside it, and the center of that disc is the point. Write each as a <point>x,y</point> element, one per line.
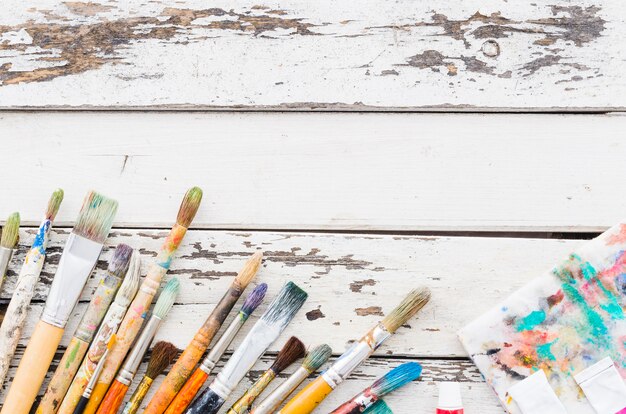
<point>377,55</point>
<point>389,172</point>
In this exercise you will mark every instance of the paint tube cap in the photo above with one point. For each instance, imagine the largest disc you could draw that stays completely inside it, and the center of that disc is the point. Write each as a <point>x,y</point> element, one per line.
<point>450,395</point>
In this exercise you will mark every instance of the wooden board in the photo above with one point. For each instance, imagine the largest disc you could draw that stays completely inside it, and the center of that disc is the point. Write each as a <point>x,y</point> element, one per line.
<point>384,172</point>
<point>324,55</point>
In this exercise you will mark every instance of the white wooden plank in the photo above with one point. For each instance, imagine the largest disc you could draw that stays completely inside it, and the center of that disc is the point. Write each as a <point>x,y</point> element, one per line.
<point>352,281</point>
<point>416,172</point>
<point>288,54</point>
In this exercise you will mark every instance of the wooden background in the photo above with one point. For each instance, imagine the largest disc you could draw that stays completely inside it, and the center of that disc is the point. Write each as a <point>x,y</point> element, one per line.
<point>330,136</point>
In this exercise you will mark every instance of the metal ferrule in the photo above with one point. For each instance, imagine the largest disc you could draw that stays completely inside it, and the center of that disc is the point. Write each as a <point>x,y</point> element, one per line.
<point>95,375</point>
<point>5,258</point>
<point>133,360</point>
<point>280,393</point>
<point>222,344</point>
<point>78,260</point>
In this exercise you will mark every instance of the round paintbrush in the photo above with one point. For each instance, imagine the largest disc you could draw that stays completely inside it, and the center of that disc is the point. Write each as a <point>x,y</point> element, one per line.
<point>163,353</point>
<point>379,407</point>
<point>8,242</point>
<point>314,359</point>
<point>391,381</point>
<point>292,350</point>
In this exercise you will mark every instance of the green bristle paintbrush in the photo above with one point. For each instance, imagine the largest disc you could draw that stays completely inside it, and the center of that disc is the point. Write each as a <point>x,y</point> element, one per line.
<point>8,242</point>
<point>379,407</point>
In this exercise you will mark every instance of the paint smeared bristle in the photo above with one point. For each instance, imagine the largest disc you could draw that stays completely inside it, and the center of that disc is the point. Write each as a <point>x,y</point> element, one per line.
<point>292,350</point>
<point>409,306</point>
<point>285,305</point>
<point>11,232</point>
<point>54,203</point>
<point>379,407</point>
<point>317,357</point>
<point>249,270</point>
<point>396,378</point>
<point>118,265</point>
<point>163,353</point>
<point>254,299</point>
<point>96,217</point>
<point>167,298</point>
<point>189,206</point>
<point>130,285</point>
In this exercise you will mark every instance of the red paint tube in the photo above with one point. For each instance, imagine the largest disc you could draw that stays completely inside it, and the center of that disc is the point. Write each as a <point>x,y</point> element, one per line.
<point>449,398</point>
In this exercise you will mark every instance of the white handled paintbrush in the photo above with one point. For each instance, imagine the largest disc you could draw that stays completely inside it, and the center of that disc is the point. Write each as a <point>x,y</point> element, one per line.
<point>8,242</point>
<point>78,260</point>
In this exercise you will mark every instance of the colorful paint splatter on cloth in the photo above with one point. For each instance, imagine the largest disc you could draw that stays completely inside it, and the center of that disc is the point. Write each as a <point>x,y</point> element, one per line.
<point>562,323</point>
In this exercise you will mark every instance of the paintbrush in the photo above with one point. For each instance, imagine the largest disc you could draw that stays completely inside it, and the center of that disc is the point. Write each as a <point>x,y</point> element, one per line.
<point>190,357</point>
<point>314,359</point>
<point>15,316</point>
<point>115,395</point>
<point>315,392</point>
<point>84,398</point>
<point>267,329</point>
<point>107,330</point>
<point>163,353</point>
<point>200,375</point>
<point>379,407</point>
<point>138,309</point>
<point>8,242</point>
<point>79,344</point>
<point>292,350</point>
<point>81,252</point>
<point>391,381</point>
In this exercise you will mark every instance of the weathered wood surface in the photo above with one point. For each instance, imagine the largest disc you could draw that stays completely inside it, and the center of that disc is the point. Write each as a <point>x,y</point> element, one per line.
<point>389,172</point>
<point>374,54</point>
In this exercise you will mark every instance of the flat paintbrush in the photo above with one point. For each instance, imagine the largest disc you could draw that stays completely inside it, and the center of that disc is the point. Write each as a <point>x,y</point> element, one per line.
<point>15,316</point>
<point>84,399</point>
<point>200,375</point>
<point>163,353</point>
<point>81,252</point>
<point>79,344</point>
<point>267,329</point>
<point>138,309</point>
<point>8,242</point>
<point>314,393</point>
<point>190,357</point>
<point>390,382</point>
<point>101,342</point>
<point>379,407</point>
<point>313,361</point>
<point>115,395</point>
<point>292,350</point>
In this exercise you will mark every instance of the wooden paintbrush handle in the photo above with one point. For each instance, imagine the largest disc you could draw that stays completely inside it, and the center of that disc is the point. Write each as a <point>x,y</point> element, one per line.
<point>92,405</point>
<point>132,406</point>
<point>80,407</point>
<point>113,399</point>
<point>309,398</point>
<point>188,392</point>
<point>32,369</point>
<point>243,404</point>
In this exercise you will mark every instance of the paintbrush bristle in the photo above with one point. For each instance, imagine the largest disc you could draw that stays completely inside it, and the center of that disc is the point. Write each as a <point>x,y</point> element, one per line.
<point>409,306</point>
<point>254,299</point>
<point>118,265</point>
<point>396,378</point>
<point>11,232</point>
<point>189,207</point>
<point>317,357</point>
<point>130,285</point>
<point>167,298</point>
<point>285,305</point>
<point>379,407</point>
<point>163,353</point>
<point>292,350</point>
<point>249,270</point>
<point>53,205</point>
<point>96,217</point>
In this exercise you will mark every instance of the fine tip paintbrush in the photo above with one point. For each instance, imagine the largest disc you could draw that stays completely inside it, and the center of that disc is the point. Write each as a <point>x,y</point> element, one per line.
<point>312,362</point>
<point>84,398</point>
<point>184,366</point>
<point>314,393</point>
<point>390,382</point>
<point>79,344</point>
<point>130,326</point>
<point>106,331</point>
<point>379,407</point>
<point>115,395</point>
<point>79,256</point>
<point>15,316</point>
<point>293,350</point>
<point>8,242</point>
<point>163,353</point>
<point>200,375</point>
<point>267,329</point>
